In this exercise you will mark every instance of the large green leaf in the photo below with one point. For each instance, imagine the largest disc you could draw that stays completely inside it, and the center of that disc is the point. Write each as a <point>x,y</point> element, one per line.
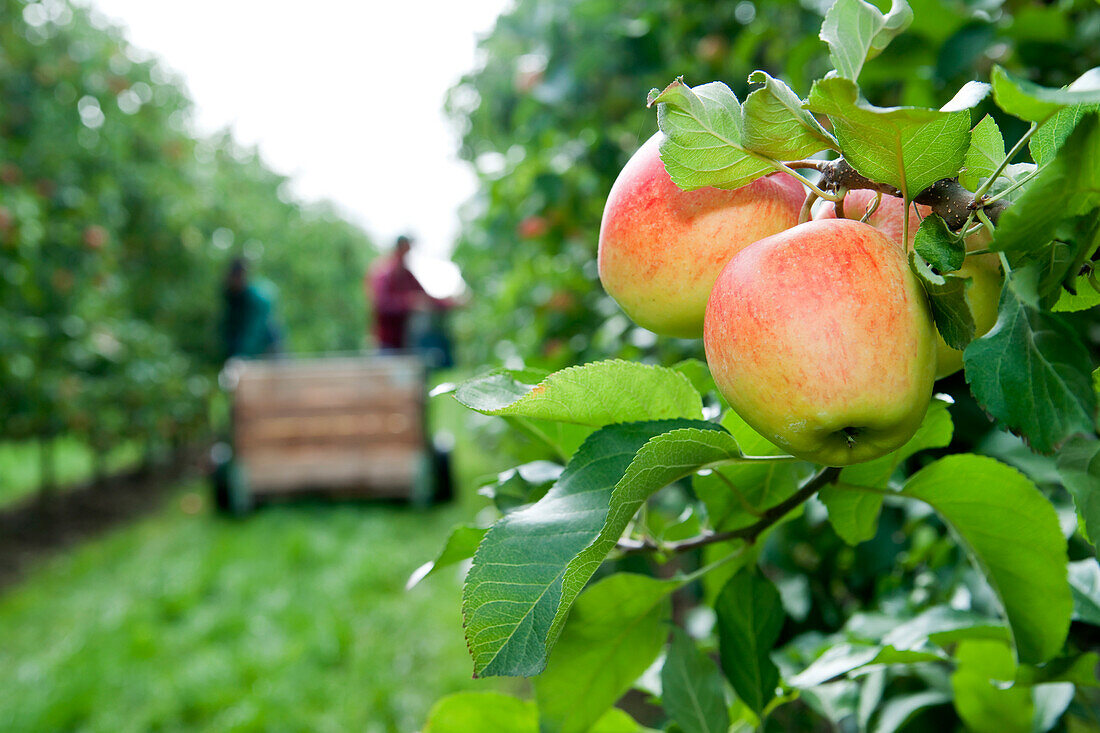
<point>692,689</point>
<point>985,154</point>
<point>853,511</point>
<point>675,454</point>
<point>1052,134</point>
<point>515,585</point>
<point>750,617</point>
<point>703,137</point>
<point>1032,102</point>
<point>534,562</point>
<point>856,31</point>
<point>616,630</point>
<point>1079,467</point>
<point>596,394</point>
<point>907,147</point>
<point>776,124</point>
<point>1067,186</point>
<point>1012,533</point>
<point>1031,371</point>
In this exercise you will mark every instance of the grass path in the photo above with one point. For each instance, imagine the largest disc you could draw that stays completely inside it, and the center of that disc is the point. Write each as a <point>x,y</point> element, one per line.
<point>293,619</point>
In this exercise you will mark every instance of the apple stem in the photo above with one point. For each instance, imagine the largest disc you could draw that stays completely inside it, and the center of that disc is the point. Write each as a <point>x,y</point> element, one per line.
<point>841,192</point>
<point>872,207</point>
<point>807,206</point>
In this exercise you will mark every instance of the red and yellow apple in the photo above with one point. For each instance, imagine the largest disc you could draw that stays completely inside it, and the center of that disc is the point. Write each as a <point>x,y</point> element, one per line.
<point>984,271</point>
<point>820,337</point>
<point>662,248</point>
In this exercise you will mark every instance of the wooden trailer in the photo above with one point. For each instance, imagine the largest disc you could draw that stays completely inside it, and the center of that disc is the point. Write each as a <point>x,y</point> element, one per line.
<point>338,426</point>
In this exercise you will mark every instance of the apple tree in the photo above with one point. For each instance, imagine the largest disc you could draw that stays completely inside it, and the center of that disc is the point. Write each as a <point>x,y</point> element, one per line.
<point>695,556</point>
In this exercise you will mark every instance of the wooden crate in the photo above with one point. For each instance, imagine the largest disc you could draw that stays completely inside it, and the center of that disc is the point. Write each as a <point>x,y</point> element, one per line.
<point>345,425</point>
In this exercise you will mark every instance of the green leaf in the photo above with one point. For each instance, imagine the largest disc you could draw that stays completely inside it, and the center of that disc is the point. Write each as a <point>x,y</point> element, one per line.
<point>898,710</point>
<point>985,154</point>
<point>1012,533</point>
<point>776,125</point>
<point>698,373</point>
<point>616,630</point>
<point>677,453</point>
<point>856,31</point>
<point>853,512</point>
<point>1084,581</point>
<point>1032,102</point>
<point>468,711</point>
<point>1067,186</point>
<point>692,688</point>
<point>1079,467</point>
<point>750,617</point>
<point>596,394</point>
<point>1052,134</point>
<point>460,545</point>
<point>844,658</point>
<point>982,705</point>
<point>938,245</point>
<point>515,585</point>
<point>943,625</point>
<point>909,148</point>
<point>1031,372</point>
<point>703,137</point>
<point>947,295</point>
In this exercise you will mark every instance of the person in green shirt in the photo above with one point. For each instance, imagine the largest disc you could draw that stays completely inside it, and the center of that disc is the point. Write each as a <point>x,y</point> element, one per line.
<point>248,326</point>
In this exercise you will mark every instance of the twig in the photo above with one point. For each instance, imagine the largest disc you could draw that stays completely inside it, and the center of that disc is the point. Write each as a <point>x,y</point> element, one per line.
<point>946,197</point>
<point>768,517</point>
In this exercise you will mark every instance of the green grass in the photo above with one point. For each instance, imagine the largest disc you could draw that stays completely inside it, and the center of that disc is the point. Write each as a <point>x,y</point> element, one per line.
<point>293,619</point>
<point>20,465</point>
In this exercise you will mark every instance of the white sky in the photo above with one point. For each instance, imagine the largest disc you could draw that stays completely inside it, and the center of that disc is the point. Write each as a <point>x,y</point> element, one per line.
<point>345,96</point>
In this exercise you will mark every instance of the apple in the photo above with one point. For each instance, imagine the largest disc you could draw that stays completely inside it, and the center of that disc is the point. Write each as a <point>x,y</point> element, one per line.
<point>820,337</point>
<point>984,292</point>
<point>661,248</point>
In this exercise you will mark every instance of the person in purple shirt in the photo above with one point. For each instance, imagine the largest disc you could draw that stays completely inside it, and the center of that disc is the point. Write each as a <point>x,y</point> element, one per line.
<point>395,293</point>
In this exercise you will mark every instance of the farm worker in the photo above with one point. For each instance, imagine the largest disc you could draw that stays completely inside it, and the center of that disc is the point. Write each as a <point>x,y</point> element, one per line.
<point>395,294</point>
<point>248,327</point>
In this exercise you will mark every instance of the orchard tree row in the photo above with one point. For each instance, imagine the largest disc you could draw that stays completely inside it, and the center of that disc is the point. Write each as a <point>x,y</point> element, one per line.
<point>116,228</point>
<point>875,505</point>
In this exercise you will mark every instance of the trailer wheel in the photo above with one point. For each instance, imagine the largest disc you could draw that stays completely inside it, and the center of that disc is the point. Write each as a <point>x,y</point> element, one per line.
<point>231,495</point>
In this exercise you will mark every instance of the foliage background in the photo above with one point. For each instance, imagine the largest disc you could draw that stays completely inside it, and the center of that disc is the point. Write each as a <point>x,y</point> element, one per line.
<point>558,107</point>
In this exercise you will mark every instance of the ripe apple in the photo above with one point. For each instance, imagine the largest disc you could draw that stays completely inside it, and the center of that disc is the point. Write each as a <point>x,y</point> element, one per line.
<point>820,337</point>
<point>984,292</point>
<point>661,248</point>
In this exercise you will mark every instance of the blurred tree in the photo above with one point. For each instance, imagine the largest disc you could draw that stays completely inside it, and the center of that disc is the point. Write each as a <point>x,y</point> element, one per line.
<point>116,227</point>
